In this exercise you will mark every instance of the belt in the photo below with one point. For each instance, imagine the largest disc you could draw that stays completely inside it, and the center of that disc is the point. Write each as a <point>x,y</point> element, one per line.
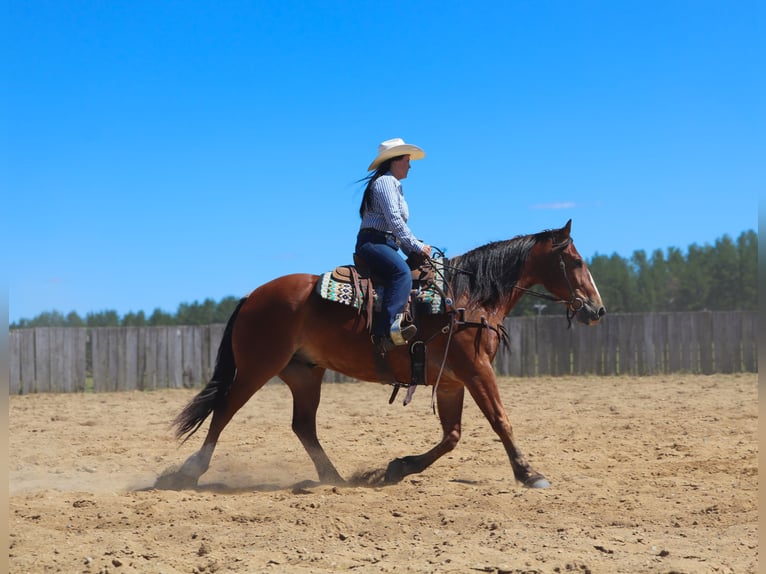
<point>379,233</point>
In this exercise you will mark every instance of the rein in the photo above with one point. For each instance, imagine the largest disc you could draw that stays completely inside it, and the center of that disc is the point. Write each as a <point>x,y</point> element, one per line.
<point>573,305</point>
<point>456,323</point>
<point>457,320</point>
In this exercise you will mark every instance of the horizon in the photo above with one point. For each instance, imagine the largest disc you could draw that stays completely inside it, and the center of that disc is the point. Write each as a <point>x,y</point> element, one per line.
<point>148,313</point>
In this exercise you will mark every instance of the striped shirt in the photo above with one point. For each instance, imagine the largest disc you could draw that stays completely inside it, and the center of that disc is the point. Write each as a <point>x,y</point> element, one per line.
<point>388,212</point>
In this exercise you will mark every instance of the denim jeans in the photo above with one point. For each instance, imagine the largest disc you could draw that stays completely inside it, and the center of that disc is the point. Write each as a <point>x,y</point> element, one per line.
<point>382,256</point>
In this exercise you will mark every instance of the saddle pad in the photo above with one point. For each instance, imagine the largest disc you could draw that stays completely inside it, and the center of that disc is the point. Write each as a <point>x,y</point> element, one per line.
<point>336,286</point>
<point>331,287</point>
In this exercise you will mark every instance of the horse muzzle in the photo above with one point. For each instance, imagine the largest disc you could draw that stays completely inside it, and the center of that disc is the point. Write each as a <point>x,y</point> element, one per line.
<point>588,312</point>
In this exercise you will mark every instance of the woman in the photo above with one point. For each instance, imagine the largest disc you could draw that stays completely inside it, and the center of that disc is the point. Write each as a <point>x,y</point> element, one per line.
<point>382,233</point>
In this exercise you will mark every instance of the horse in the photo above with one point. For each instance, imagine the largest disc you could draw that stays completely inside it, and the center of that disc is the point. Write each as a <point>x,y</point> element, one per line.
<point>285,329</point>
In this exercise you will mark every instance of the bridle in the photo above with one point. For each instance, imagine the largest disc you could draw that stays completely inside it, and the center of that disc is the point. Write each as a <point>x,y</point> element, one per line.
<point>457,319</point>
<point>573,304</point>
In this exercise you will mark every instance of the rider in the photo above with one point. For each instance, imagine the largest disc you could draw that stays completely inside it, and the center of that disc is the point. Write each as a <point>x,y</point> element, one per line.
<point>383,232</point>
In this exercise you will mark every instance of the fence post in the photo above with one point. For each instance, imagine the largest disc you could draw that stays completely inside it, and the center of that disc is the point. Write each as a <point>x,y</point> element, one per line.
<point>14,366</point>
<point>703,327</point>
<point>749,337</point>
<point>175,358</point>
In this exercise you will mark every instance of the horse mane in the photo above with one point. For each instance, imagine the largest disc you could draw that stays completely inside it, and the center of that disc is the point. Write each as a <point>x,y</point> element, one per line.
<point>487,274</point>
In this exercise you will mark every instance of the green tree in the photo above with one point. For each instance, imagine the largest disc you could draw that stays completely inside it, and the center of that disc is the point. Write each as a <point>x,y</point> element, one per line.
<point>134,319</point>
<point>616,281</point>
<point>103,319</point>
<point>160,318</point>
<point>659,277</point>
<point>724,271</point>
<point>695,279</point>
<point>674,269</point>
<point>723,276</point>
<point>74,320</point>
<point>49,319</point>
<point>747,253</point>
<point>645,296</point>
<point>196,313</point>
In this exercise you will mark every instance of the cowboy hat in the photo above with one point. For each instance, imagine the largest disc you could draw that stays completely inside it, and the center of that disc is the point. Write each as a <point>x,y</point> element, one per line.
<point>394,148</point>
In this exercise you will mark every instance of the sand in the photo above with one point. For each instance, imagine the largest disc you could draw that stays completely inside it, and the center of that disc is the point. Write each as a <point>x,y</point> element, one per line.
<point>653,474</point>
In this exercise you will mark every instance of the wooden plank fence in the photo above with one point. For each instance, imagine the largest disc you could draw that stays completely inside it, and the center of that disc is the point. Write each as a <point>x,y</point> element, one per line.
<point>636,344</point>
<point>60,359</point>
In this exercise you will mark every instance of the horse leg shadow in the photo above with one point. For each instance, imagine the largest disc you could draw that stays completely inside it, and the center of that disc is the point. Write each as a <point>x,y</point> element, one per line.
<point>374,477</point>
<point>173,479</point>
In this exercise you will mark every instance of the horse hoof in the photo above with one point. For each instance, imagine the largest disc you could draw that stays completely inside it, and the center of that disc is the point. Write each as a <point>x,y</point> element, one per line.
<point>538,481</point>
<point>395,471</point>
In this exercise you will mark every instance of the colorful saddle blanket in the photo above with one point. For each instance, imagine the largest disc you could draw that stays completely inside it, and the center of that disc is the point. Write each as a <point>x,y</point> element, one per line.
<point>339,285</point>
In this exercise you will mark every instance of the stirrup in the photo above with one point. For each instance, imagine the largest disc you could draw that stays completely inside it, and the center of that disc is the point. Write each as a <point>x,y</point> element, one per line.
<point>400,335</point>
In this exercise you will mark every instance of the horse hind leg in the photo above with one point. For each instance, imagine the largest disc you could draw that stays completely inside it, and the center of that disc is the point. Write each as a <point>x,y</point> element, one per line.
<point>188,475</point>
<point>305,383</point>
<point>245,363</point>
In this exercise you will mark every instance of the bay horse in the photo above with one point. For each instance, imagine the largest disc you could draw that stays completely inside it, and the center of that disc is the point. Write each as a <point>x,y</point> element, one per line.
<point>285,329</point>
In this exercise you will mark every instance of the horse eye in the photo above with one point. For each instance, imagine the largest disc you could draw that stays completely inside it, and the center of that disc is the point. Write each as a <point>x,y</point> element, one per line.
<point>578,263</point>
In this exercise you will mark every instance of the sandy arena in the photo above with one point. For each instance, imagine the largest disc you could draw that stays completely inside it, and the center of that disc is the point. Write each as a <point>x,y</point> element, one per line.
<point>655,474</point>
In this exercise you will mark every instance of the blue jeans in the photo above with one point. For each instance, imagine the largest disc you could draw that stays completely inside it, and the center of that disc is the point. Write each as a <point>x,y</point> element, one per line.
<point>382,256</point>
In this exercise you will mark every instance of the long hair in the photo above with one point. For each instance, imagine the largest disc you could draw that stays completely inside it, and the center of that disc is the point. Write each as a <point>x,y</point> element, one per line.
<point>382,169</point>
<point>487,274</point>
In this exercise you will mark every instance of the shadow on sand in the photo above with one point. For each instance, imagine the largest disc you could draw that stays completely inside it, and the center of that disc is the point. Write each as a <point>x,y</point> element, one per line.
<point>171,479</point>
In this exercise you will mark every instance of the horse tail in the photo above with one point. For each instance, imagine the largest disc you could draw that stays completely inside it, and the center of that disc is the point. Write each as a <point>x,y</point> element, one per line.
<point>214,393</point>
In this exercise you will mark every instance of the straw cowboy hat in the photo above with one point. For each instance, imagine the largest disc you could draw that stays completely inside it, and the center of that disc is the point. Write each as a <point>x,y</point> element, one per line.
<point>394,148</point>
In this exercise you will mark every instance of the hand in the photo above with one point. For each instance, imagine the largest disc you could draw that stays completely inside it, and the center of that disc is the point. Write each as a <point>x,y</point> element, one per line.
<point>426,250</point>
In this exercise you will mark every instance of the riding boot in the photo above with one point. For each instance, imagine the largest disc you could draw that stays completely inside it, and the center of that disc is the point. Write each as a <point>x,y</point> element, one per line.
<point>383,343</point>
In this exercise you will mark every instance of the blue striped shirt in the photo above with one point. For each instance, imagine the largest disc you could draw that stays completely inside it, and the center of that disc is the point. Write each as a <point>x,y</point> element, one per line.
<point>388,212</point>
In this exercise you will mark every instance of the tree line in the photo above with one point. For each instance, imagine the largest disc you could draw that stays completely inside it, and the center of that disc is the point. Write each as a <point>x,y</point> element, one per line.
<point>205,313</point>
<point>718,277</point>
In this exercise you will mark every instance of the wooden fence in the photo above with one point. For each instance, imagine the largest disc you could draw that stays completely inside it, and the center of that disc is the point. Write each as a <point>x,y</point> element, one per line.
<point>59,359</point>
<point>636,344</point>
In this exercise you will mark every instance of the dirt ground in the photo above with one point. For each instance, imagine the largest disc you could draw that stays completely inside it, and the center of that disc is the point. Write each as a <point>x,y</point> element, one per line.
<point>652,474</point>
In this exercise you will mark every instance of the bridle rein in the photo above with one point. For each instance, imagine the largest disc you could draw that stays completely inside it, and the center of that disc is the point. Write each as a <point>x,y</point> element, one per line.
<point>574,303</point>
<point>457,321</point>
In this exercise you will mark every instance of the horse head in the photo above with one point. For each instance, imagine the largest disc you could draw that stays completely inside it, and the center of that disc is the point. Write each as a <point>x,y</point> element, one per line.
<point>564,273</point>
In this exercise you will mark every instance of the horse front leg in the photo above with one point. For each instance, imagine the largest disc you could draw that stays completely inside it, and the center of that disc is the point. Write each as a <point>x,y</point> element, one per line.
<point>483,389</point>
<point>449,403</point>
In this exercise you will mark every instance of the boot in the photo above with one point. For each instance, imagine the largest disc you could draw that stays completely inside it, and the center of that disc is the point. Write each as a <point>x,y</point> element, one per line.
<point>383,343</point>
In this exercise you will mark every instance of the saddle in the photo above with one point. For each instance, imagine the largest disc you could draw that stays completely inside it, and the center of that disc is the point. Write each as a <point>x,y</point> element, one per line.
<point>354,285</point>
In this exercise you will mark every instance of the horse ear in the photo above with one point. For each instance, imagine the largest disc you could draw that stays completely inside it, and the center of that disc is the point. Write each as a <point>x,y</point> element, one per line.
<point>564,238</point>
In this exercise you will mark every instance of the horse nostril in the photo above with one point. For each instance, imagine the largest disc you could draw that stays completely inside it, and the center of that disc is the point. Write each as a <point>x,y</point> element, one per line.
<point>601,311</point>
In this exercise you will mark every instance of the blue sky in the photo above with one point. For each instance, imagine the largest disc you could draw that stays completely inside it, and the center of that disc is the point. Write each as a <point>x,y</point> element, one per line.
<point>158,153</point>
